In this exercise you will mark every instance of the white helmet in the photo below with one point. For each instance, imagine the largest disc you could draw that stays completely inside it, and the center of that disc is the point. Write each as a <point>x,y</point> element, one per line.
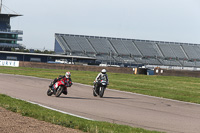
<point>103,71</point>
<point>67,74</point>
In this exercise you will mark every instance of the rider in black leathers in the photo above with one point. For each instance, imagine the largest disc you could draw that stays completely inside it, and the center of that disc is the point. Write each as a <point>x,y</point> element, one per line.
<point>101,75</point>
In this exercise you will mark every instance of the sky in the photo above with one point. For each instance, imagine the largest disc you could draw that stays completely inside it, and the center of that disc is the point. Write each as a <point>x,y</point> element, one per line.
<point>159,20</point>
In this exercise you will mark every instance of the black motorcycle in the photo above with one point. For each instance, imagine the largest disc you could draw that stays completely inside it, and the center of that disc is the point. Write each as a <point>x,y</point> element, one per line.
<point>101,87</point>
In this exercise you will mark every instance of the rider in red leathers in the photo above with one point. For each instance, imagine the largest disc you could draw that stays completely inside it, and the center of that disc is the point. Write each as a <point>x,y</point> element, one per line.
<point>67,79</point>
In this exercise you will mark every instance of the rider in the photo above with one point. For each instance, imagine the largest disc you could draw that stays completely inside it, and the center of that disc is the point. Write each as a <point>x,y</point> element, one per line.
<point>101,75</point>
<point>66,77</point>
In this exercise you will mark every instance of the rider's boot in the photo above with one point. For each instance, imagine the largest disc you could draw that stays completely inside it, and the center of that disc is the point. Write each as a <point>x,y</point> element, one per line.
<point>54,91</point>
<point>65,91</point>
<point>51,84</point>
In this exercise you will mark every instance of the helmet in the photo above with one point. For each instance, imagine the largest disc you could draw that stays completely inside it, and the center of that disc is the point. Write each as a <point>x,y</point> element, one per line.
<point>103,71</point>
<point>67,74</point>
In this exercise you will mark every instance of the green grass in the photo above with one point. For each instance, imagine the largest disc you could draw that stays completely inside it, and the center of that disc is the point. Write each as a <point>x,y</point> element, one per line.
<point>40,113</point>
<point>177,88</point>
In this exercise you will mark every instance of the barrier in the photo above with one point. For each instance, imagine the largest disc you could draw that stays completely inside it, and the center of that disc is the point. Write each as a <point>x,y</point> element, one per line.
<point>183,73</point>
<point>157,71</point>
<point>75,67</point>
<point>9,63</point>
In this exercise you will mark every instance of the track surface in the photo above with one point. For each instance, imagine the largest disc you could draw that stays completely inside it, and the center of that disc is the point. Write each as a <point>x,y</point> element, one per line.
<point>116,107</point>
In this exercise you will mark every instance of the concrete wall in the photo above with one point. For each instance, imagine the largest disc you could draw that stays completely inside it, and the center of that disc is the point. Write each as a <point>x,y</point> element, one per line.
<point>75,67</point>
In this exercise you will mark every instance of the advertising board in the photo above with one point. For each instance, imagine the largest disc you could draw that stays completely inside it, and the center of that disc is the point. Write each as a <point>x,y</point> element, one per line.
<point>9,63</point>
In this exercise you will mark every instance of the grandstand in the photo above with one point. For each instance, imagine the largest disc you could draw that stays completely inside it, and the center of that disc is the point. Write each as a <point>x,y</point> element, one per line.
<point>8,37</point>
<point>129,51</point>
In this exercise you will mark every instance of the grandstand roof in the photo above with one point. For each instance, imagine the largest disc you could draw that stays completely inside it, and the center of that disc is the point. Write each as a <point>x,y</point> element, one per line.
<point>10,15</point>
<point>139,40</point>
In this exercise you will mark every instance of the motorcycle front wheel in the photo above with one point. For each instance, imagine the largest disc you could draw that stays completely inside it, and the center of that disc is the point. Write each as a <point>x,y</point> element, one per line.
<point>94,93</point>
<point>49,92</point>
<point>101,91</point>
<point>59,91</point>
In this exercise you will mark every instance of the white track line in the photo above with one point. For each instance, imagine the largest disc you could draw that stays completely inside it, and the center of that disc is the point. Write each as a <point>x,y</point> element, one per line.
<point>47,106</point>
<point>55,109</point>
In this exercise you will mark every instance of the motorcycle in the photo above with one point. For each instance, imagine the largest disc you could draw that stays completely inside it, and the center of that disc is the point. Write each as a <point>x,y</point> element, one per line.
<point>100,89</point>
<point>58,88</point>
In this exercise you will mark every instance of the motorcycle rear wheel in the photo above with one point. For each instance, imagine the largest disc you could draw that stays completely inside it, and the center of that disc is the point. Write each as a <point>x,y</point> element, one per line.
<point>59,91</point>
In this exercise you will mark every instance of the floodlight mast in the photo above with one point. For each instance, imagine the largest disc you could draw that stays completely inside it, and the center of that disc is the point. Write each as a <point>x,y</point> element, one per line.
<point>0,6</point>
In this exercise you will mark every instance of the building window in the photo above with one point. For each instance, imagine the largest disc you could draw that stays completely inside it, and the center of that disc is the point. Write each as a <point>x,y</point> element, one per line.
<point>35,59</point>
<point>11,58</point>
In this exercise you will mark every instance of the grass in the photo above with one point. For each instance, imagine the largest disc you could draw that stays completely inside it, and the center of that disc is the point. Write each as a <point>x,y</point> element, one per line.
<point>40,113</point>
<point>177,88</point>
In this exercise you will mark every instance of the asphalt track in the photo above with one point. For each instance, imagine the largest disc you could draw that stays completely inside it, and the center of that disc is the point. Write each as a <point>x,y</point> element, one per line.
<point>116,107</point>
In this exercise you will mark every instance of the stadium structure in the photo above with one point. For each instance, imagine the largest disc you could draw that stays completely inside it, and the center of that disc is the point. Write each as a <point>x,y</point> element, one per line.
<point>8,37</point>
<point>129,52</point>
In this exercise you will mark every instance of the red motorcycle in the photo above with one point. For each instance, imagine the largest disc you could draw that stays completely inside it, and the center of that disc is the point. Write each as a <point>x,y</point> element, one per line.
<point>58,88</point>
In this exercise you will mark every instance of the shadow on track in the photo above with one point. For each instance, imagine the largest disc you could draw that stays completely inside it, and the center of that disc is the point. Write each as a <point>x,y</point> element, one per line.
<point>95,98</point>
<point>115,98</point>
<point>76,98</point>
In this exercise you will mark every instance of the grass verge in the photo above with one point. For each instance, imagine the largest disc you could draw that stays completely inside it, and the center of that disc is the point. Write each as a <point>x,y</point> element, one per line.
<point>40,113</point>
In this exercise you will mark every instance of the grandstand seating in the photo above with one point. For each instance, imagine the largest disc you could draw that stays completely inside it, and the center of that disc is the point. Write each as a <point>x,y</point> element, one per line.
<point>191,52</point>
<point>197,49</point>
<point>85,45</point>
<point>197,63</point>
<point>130,46</point>
<point>119,47</point>
<point>166,50</point>
<point>147,49</point>
<point>170,62</point>
<point>105,43</point>
<point>63,44</point>
<point>119,50</point>
<point>104,59</point>
<point>72,43</point>
<point>187,63</point>
<point>148,61</point>
<point>101,48</point>
<point>127,59</point>
<point>178,51</point>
